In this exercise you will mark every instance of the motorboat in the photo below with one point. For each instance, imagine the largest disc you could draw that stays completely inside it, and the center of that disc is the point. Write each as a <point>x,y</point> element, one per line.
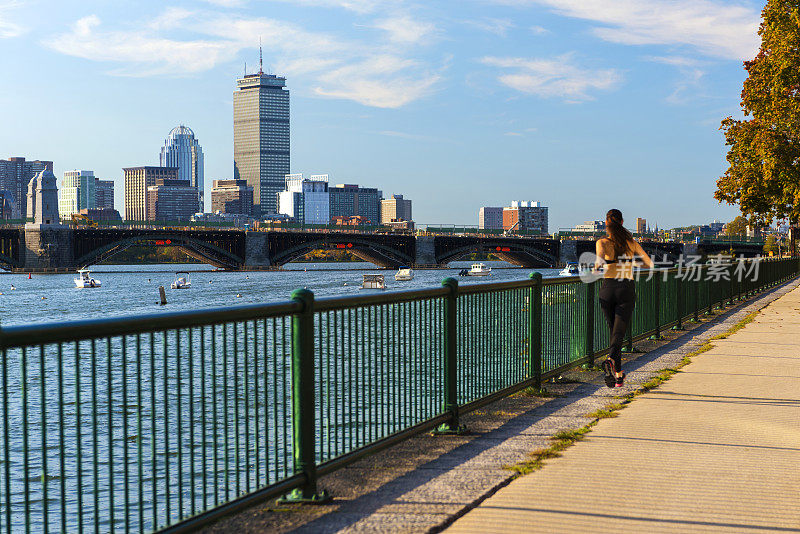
<point>181,281</point>
<point>479,269</point>
<point>570,269</point>
<point>85,280</point>
<point>373,281</point>
<point>404,274</point>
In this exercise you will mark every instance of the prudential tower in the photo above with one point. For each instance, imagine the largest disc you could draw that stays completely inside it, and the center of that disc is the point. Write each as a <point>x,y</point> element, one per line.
<point>261,137</point>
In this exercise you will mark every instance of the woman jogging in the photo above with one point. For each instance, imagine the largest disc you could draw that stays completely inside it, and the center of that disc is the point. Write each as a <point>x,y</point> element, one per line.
<point>618,290</point>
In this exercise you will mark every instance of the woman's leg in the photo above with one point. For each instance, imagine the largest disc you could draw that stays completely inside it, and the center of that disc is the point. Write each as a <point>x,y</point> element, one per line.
<point>623,312</point>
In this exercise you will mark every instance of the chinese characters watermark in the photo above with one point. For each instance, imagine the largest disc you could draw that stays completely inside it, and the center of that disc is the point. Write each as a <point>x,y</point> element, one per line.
<point>688,267</point>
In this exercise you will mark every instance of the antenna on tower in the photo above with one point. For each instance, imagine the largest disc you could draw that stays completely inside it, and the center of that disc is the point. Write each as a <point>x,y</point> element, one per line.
<point>260,58</point>
<point>245,67</point>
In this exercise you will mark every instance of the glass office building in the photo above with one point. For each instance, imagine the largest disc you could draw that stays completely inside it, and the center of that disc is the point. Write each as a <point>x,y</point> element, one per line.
<point>182,150</point>
<point>261,138</point>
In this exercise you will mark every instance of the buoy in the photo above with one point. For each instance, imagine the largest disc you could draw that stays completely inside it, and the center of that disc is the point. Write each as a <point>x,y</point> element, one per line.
<point>44,298</point>
<point>12,287</point>
<point>345,283</point>
<point>29,276</point>
<point>238,295</point>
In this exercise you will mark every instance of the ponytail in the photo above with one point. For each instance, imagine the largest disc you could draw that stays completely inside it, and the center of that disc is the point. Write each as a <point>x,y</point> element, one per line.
<point>619,235</point>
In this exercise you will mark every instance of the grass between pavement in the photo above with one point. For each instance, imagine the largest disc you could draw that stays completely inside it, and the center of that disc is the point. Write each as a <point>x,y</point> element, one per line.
<point>566,438</point>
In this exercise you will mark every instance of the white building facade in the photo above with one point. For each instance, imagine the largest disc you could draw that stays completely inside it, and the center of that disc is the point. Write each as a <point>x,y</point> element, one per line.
<point>182,150</point>
<point>78,192</point>
<point>306,200</point>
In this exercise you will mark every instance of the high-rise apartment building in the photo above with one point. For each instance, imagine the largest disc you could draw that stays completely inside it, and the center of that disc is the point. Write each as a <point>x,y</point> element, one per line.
<point>104,194</point>
<point>171,200</point>
<point>15,175</point>
<point>490,218</point>
<point>137,181</point>
<point>232,196</point>
<point>261,138</point>
<point>526,218</point>
<point>641,225</point>
<point>306,200</point>
<point>350,200</point>
<point>181,149</point>
<point>78,192</point>
<point>395,209</point>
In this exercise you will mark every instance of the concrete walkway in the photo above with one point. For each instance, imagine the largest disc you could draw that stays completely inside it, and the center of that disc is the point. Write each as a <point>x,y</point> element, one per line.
<point>714,449</point>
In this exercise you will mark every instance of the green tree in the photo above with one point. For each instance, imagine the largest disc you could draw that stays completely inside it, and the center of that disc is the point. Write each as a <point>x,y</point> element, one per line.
<point>764,156</point>
<point>738,226</point>
<point>771,245</point>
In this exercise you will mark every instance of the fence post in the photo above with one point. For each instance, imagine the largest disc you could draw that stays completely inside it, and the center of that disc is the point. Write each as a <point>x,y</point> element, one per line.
<point>696,301</point>
<point>590,286</point>
<point>303,405</point>
<point>535,330</point>
<point>730,284</point>
<point>678,302</point>
<point>657,310</point>
<point>450,359</point>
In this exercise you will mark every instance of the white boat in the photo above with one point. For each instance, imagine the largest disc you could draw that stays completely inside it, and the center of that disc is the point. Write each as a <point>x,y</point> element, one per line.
<point>181,281</point>
<point>479,269</point>
<point>570,269</point>
<point>84,280</point>
<point>404,274</point>
<point>373,281</point>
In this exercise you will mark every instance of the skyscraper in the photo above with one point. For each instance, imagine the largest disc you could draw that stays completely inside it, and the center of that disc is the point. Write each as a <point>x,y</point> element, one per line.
<point>77,192</point>
<point>181,149</point>
<point>137,182</point>
<point>261,137</point>
<point>104,194</point>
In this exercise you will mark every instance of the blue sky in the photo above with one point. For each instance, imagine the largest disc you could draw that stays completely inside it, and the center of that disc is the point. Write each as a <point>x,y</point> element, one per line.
<point>581,104</point>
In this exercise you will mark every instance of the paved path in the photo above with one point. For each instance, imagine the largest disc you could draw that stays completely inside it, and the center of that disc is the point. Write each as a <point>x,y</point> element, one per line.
<point>714,449</point>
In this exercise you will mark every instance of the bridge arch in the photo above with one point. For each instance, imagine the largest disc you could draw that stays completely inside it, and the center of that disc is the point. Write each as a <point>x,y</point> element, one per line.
<point>219,248</point>
<point>388,251</point>
<point>522,252</point>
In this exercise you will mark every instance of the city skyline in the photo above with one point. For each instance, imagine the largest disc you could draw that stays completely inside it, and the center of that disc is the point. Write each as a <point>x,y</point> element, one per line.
<point>583,108</point>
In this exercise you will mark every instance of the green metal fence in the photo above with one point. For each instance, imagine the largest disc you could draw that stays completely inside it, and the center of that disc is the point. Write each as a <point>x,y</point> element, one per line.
<point>165,422</point>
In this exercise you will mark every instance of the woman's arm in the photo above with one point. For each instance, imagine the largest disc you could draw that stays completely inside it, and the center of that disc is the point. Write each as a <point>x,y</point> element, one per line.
<point>599,252</point>
<point>639,251</point>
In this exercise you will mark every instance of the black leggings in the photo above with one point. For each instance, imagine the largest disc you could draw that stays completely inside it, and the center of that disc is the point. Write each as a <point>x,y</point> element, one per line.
<point>617,299</point>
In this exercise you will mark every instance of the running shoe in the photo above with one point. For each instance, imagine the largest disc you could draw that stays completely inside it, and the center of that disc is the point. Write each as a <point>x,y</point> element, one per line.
<point>608,370</point>
<point>620,381</point>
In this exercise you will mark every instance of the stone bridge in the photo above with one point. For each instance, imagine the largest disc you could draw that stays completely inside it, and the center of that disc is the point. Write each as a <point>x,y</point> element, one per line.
<point>58,248</point>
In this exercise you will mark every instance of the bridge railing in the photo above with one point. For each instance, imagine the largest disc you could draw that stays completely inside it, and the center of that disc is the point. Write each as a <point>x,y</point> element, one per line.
<point>166,422</point>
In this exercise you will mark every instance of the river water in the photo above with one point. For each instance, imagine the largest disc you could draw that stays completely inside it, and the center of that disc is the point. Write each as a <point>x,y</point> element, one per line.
<point>133,289</point>
<point>121,414</point>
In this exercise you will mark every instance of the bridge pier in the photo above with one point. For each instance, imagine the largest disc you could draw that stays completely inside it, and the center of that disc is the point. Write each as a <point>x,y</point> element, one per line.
<point>47,248</point>
<point>256,250</point>
<point>425,251</point>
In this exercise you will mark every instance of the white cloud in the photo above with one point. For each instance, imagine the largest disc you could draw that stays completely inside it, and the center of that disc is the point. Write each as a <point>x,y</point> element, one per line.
<point>404,29</point>
<point>538,30</point>
<point>691,73</point>
<point>173,17</point>
<point>513,134</point>
<point>145,54</point>
<point>378,75</point>
<point>558,77</point>
<point>9,29</point>
<point>226,3</point>
<point>499,27</point>
<point>358,6</point>
<point>380,81</point>
<point>716,28</point>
